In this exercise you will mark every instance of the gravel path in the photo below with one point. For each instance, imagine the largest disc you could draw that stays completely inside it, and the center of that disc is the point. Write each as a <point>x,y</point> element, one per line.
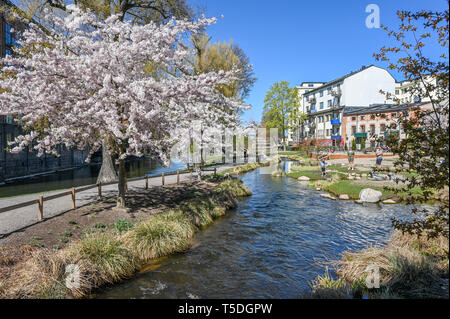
<point>22,217</point>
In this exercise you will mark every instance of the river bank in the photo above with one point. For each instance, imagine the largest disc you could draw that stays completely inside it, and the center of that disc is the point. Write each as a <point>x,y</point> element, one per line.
<point>347,185</point>
<point>108,245</point>
<point>409,266</point>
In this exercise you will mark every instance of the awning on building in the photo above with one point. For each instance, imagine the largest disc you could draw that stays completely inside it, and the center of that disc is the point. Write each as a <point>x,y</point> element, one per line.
<point>361,135</point>
<point>391,133</point>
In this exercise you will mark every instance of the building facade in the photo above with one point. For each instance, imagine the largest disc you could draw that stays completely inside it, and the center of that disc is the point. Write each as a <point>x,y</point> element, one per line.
<point>26,162</point>
<point>295,135</point>
<point>404,91</point>
<point>369,126</point>
<point>325,104</point>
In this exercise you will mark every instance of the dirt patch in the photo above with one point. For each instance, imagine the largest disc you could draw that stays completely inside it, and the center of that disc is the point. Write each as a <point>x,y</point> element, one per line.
<point>59,231</point>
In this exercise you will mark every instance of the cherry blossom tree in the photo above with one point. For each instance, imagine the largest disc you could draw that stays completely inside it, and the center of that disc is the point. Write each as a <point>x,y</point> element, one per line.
<point>110,81</point>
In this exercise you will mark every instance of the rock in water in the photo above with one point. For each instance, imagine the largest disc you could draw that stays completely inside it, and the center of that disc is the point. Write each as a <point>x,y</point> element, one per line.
<point>303,179</point>
<point>344,197</point>
<point>328,196</point>
<point>370,195</point>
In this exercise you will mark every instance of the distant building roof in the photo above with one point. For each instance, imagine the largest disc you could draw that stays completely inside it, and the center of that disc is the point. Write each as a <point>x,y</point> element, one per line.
<point>379,108</point>
<point>340,79</point>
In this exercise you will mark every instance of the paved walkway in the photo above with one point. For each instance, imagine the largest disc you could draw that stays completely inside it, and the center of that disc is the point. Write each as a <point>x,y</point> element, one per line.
<point>22,217</point>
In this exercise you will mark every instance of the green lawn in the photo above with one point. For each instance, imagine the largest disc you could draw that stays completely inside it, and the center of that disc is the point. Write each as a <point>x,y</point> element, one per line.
<point>313,172</point>
<point>343,169</point>
<point>352,190</point>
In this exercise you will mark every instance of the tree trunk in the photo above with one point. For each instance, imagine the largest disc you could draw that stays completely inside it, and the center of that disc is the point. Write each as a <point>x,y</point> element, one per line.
<point>121,196</point>
<point>107,172</point>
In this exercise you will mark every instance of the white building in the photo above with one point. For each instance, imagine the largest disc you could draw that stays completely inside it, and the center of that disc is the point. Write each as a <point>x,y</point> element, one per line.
<point>305,87</point>
<point>324,104</point>
<point>405,92</point>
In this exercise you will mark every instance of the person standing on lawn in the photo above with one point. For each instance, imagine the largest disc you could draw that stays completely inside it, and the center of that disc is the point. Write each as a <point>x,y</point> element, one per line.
<point>379,155</point>
<point>351,159</point>
<point>323,166</point>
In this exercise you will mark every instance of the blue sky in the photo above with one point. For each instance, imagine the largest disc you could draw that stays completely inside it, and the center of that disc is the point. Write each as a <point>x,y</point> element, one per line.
<point>299,41</point>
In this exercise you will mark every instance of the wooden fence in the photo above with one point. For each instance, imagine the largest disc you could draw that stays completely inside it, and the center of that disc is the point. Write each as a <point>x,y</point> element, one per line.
<point>41,199</point>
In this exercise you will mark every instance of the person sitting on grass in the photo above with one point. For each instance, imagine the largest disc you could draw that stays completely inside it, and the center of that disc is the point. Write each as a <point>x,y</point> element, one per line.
<point>323,166</point>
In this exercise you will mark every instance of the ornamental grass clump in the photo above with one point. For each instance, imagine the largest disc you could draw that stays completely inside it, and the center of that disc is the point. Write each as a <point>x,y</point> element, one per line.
<point>410,266</point>
<point>160,236</point>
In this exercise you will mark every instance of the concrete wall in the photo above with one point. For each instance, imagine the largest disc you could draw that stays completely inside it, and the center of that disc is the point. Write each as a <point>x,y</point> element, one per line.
<point>363,88</point>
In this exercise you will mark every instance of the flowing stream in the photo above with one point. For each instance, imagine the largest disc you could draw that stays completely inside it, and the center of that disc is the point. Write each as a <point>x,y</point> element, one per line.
<point>85,175</point>
<point>271,246</point>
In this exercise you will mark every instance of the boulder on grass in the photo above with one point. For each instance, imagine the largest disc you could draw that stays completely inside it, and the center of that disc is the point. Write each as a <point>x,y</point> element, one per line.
<point>369,195</point>
<point>303,178</point>
<point>344,197</point>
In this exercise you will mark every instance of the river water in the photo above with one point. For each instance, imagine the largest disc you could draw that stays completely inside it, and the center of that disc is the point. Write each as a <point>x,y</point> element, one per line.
<point>271,246</point>
<point>85,175</point>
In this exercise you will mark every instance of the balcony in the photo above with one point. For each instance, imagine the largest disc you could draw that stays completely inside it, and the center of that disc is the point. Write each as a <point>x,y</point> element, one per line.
<point>336,92</point>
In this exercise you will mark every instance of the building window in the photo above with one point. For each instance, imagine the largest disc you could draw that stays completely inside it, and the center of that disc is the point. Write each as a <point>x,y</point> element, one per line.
<point>372,117</point>
<point>353,118</point>
<point>363,117</point>
<point>372,129</point>
<point>329,103</point>
<point>310,85</point>
<point>353,130</point>
<point>382,128</point>
<point>397,92</point>
<point>321,93</point>
<point>329,90</point>
<point>313,106</point>
<point>363,128</point>
<point>328,132</point>
<point>321,105</point>
<point>393,115</point>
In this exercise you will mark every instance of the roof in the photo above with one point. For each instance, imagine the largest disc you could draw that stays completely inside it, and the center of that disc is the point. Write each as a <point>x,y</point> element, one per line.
<point>314,82</point>
<point>340,79</point>
<point>379,108</point>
